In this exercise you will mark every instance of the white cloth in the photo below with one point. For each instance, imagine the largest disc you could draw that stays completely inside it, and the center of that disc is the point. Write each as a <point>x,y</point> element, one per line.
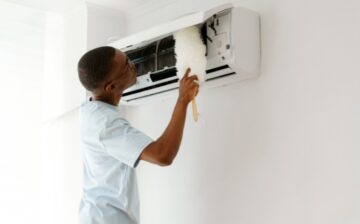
<point>111,150</point>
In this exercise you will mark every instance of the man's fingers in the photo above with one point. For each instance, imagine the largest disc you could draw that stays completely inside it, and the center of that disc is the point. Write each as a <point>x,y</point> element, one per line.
<point>193,78</point>
<point>196,92</point>
<point>187,72</point>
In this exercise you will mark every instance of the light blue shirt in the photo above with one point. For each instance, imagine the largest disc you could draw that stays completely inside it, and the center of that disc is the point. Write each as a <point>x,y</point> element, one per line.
<point>111,150</point>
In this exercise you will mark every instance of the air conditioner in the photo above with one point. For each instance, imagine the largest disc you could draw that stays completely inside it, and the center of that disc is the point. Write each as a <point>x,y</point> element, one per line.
<point>232,38</point>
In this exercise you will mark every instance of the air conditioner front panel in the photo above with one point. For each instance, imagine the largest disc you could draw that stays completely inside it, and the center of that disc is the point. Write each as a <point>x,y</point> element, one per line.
<point>165,29</point>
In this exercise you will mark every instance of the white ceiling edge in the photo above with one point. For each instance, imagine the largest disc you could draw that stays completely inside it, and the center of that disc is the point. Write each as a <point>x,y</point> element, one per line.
<point>48,5</point>
<point>64,5</point>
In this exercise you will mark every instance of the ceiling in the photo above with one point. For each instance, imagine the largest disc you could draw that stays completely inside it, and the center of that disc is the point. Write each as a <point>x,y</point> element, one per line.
<point>64,5</point>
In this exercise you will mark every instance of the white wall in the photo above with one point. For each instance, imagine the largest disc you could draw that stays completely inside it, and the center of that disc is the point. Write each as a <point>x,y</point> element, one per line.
<point>66,39</point>
<point>283,148</point>
<point>62,93</point>
<point>104,25</point>
<point>22,37</point>
<point>61,169</point>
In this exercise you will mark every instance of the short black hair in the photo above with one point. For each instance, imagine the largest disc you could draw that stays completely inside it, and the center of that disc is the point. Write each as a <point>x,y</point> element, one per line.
<point>94,66</point>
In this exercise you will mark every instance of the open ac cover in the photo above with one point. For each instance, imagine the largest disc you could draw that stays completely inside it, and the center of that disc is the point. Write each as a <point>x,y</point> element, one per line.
<point>232,39</point>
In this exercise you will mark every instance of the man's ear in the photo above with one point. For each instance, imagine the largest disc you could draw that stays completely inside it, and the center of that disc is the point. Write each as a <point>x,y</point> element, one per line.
<point>108,87</point>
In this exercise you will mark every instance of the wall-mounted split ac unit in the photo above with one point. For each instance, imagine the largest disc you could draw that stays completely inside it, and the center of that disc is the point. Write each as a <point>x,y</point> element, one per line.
<point>232,39</point>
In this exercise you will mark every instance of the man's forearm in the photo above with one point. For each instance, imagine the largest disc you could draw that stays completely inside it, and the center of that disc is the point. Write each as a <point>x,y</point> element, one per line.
<point>170,140</point>
<point>164,149</point>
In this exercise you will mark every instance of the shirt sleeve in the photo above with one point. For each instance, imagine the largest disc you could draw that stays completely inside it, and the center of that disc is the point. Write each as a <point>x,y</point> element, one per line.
<point>124,142</point>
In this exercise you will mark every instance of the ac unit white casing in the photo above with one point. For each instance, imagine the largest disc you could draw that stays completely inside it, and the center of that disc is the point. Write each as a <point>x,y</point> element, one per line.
<point>232,38</point>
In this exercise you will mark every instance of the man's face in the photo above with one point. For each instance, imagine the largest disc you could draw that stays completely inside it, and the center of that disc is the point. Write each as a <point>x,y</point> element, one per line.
<point>123,74</point>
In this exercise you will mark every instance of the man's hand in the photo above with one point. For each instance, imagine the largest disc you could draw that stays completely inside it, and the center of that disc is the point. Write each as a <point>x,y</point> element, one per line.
<point>189,87</point>
<point>164,149</point>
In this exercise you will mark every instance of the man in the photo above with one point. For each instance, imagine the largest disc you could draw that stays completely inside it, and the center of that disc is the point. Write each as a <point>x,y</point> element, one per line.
<point>111,147</point>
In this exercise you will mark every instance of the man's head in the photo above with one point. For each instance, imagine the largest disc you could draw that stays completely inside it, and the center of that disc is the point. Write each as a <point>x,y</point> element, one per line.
<point>106,72</point>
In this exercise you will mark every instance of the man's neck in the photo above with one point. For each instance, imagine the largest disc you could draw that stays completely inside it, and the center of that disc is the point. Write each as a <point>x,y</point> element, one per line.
<point>109,100</point>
